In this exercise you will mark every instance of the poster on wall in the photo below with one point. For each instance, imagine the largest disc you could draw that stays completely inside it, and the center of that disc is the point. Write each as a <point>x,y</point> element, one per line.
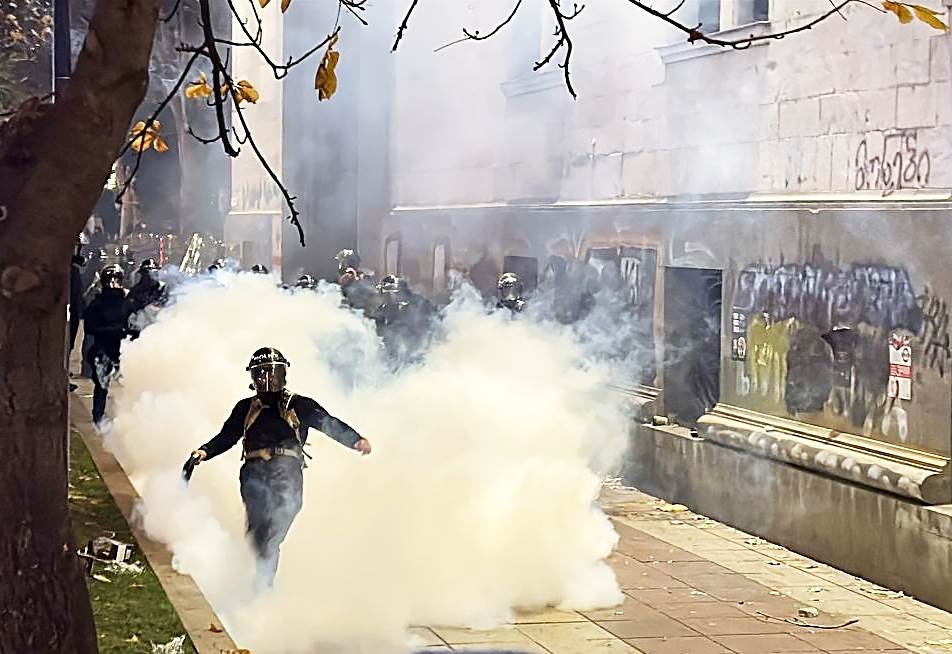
<point>738,335</point>
<point>900,367</point>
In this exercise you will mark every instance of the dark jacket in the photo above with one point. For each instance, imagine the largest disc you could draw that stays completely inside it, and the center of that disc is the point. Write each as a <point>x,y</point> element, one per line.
<point>146,292</point>
<point>76,300</point>
<point>270,430</point>
<point>105,321</point>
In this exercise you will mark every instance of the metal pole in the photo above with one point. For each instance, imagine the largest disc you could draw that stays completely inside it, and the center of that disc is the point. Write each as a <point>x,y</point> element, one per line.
<point>62,50</point>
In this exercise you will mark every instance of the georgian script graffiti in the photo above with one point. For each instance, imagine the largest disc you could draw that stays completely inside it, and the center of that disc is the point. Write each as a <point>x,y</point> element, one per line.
<point>893,163</point>
<point>936,352</point>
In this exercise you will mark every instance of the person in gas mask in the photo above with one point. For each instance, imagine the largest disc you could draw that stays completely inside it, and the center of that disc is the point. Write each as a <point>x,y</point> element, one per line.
<point>356,287</point>
<point>148,293</point>
<point>306,282</point>
<point>105,321</point>
<point>509,293</point>
<point>273,426</point>
<point>258,269</point>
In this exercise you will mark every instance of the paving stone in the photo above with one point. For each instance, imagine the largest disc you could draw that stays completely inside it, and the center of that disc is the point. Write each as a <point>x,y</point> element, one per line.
<point>455,636</point>
<point>764,644</point>
<point>518,646</point>
<point>736,626</point>
<point>546,615</point>
<point>629,608</point>
<point>659,596</point>
<point>845,640</point>
<point>653,625</point>
<point>567,636</point>
<point>696,610</point>
<point>423,637</point>
<point>686,645</point>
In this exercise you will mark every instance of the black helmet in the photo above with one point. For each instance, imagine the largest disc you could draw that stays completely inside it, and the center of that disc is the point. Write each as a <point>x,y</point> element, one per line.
<point>268,369</point>
<point>148,264</point>
<point>112,276</point>
<point>347,259</point>
<point>509,286</point>
<point>305,281</point>
<point>258,269</point>
<point>217,264</point>
<point>392,287</point>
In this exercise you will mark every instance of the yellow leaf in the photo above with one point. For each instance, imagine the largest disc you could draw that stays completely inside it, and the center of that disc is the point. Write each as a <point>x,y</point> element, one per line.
<point>930,17</point>
<point>160,145</point>
<point>284,5</point>
<point>326,79</point>
<point>902,11</point>
<point>134,639</point>
<point>263,3</point>
<point>247,91</point>
<point>200,88</point>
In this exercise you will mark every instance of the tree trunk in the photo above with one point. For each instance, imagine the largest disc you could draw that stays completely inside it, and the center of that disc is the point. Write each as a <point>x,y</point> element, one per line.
<point>54,161</point>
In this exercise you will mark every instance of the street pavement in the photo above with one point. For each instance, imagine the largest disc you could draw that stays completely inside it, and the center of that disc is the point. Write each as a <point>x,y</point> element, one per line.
<point>695,586</point>
<point>692,586</point>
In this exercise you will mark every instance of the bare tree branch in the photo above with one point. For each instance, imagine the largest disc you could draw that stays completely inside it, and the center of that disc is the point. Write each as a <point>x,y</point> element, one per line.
<point>562,40</point>
<point>474,35</point>
<point>695,35</point>
<point>149,122</point>
<point>403,25</point>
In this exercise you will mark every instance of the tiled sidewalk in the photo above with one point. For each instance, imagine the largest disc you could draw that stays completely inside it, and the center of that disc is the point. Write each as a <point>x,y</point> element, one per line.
<point>695,586</point>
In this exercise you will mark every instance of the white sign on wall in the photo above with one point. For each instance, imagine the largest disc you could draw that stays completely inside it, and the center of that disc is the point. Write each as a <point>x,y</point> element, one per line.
<point>900,367</point>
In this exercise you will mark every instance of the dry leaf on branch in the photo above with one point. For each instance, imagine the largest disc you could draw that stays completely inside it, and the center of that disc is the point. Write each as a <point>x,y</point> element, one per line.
<point>245,91</point>
<point>904,12</point>
<point>143,139</point>
<point>326,79</point>
<point>214,628</point>
<point>263,3</point>
<point>284,5</point>
<point>200,88</point>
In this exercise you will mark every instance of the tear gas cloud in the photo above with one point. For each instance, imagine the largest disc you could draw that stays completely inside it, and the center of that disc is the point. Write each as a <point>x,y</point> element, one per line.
<point>479,496</point>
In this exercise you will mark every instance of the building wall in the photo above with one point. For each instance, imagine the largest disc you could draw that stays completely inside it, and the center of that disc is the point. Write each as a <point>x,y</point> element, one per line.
<point>812,171</point>
<point>810,113</point>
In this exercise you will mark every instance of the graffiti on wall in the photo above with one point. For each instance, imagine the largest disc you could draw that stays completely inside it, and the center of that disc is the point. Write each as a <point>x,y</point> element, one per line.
<point>819,338</point>
<point>934,334</point>
<point>892,161</point>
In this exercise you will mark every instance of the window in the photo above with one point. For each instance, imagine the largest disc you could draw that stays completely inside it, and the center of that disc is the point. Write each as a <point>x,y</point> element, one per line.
<point>441,263</point>
<point>391,255</point>
<point>709,15</point>
<point>717,15</point>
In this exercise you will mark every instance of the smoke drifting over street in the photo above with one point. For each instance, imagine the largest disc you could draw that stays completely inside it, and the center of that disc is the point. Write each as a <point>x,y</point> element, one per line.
<point>479,496</point>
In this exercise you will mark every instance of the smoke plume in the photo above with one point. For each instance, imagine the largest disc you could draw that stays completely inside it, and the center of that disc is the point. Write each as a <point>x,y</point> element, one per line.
<point>479,496</point>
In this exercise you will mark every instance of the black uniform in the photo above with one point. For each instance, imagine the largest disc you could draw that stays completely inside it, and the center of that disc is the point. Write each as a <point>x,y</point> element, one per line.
<point>272,486</point>
<point>105,322</point>
<point>147,291</point>
<point>77,303</point>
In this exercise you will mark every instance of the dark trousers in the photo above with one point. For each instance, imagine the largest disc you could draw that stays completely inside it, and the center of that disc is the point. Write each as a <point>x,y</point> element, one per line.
<point>103,369</point>
<point>74,319</point>
<point>273,494</point>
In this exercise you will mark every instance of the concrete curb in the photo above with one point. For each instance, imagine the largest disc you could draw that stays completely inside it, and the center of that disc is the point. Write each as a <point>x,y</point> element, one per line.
<point>189,602</point>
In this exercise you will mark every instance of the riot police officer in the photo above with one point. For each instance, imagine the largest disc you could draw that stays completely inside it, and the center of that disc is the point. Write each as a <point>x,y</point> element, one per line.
<point>147,292</point>
<point>356,287</point>
<point>273,426</point>
<point>509,293</point>
<point>258,269</point>
<point>105,321</point>
<point>306,282</point>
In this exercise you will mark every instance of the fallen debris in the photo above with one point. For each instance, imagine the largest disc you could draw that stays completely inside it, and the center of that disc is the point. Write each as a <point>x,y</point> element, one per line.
<point>807,612</point>
<point>673,508</point>
<point>174,646</point>
<point>134,569</point>
<point>800,623</point>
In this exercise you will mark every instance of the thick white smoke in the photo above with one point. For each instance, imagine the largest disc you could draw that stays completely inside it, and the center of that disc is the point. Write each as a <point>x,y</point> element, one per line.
<point>479,496</point>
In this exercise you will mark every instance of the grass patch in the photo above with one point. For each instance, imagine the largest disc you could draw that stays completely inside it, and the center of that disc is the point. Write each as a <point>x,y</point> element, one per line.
<point>130,606</point>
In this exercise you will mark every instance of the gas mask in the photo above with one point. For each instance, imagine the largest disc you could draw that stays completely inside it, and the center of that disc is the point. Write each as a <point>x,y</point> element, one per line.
<point>269,377</point>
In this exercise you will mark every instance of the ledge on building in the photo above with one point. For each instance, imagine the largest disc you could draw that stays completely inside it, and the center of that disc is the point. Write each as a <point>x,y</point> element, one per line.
<point>913,474</point>
<point>640,401</point>
<point>533,83</point>
<point>685,50</point>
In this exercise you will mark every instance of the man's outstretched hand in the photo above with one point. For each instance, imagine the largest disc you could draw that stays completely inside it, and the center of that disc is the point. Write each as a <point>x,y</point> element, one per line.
<point>363,446</point>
